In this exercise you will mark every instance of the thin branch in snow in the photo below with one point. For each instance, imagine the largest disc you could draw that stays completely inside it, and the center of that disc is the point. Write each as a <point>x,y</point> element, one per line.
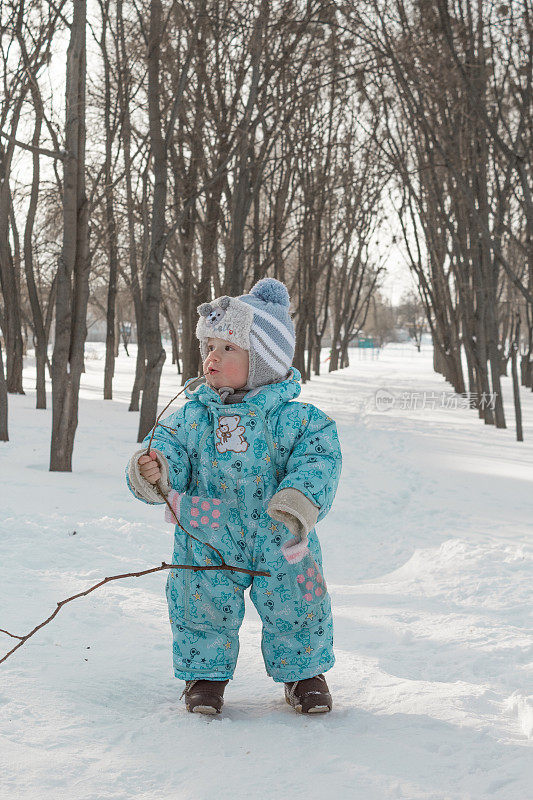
<point>222,565</point>
<point>24,639</point>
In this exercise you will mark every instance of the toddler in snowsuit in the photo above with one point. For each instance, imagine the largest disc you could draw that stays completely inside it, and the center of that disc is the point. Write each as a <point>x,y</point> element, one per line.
<point>250,471</point>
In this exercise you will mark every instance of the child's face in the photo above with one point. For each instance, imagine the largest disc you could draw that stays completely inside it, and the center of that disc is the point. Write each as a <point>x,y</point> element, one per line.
<point>226,364</point>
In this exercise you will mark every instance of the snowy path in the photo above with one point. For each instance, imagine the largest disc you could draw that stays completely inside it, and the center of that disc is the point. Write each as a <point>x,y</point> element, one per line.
<point>428,560</point>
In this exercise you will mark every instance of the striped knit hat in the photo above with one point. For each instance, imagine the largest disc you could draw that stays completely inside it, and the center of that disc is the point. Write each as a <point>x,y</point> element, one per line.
<point>258,322</point>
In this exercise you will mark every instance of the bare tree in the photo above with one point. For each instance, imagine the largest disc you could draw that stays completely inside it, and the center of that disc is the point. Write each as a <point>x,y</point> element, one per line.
<point>155,354</point>
<point>73,264</point>
<point>441,73</point>
<point>110,215</point>
<point>41,314</point>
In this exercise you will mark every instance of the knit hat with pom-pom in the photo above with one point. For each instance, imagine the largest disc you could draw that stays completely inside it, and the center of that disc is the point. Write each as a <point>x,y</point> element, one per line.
<point>258,322</point>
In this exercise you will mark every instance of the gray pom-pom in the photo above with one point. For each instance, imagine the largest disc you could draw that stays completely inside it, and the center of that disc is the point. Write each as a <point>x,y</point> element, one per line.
<point>271,290</point>
<point>204,309</point>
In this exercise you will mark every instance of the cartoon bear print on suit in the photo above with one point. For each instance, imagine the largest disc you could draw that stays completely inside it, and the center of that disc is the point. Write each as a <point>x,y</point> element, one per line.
<point>230,434</point>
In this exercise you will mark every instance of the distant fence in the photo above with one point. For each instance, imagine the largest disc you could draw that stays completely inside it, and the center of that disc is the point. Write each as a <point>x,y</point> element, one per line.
<point>367,347</point>
<point>409,349</point>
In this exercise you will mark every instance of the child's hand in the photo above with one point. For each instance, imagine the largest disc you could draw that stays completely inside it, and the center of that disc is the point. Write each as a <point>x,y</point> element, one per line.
<point>149,467</point>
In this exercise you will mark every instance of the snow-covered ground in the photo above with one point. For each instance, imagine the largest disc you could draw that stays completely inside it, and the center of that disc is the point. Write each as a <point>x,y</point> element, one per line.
<point>428,560</point>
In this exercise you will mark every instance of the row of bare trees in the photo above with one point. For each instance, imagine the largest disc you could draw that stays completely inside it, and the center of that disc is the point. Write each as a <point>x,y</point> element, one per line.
<point>460,142</point>
<point>229,140</point>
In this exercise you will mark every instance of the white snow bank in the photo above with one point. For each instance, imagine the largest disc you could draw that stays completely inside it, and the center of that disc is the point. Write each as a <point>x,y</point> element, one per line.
<point>428,559</point>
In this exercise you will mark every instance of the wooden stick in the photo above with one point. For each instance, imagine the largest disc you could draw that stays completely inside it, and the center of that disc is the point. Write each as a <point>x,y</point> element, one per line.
<point>24,639</point>
<point>223,565</point>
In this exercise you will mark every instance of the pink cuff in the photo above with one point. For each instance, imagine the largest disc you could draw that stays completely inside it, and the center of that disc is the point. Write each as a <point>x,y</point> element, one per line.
<point>174,498</point>
<point>295,550</point>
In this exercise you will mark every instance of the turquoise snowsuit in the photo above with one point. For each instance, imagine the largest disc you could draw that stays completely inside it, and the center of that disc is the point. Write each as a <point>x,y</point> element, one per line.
<point>229,459</point>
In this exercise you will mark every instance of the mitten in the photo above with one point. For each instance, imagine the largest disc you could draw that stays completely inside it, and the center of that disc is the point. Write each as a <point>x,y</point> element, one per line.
<point>304,570</point>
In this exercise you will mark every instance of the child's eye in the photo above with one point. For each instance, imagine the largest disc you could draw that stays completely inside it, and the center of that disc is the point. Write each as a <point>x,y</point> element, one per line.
<point>229,347</point>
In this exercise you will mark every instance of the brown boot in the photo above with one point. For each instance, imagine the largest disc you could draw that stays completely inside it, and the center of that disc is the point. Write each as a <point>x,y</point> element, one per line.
<point>310,696</point>
<point>204,697</point>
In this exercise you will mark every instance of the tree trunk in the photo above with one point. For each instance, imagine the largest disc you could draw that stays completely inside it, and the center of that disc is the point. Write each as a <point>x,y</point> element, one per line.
<point>173,335</point>
<point>155,354</point>
<point>242,197</point>
<point>516,384</point>
<point>40,336</point>
<point>73,266</point>
<point>111,228</point>
<point>124,89</point>
<point>9,273</point>
<point>12,316</point>
<point>140,362</point>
